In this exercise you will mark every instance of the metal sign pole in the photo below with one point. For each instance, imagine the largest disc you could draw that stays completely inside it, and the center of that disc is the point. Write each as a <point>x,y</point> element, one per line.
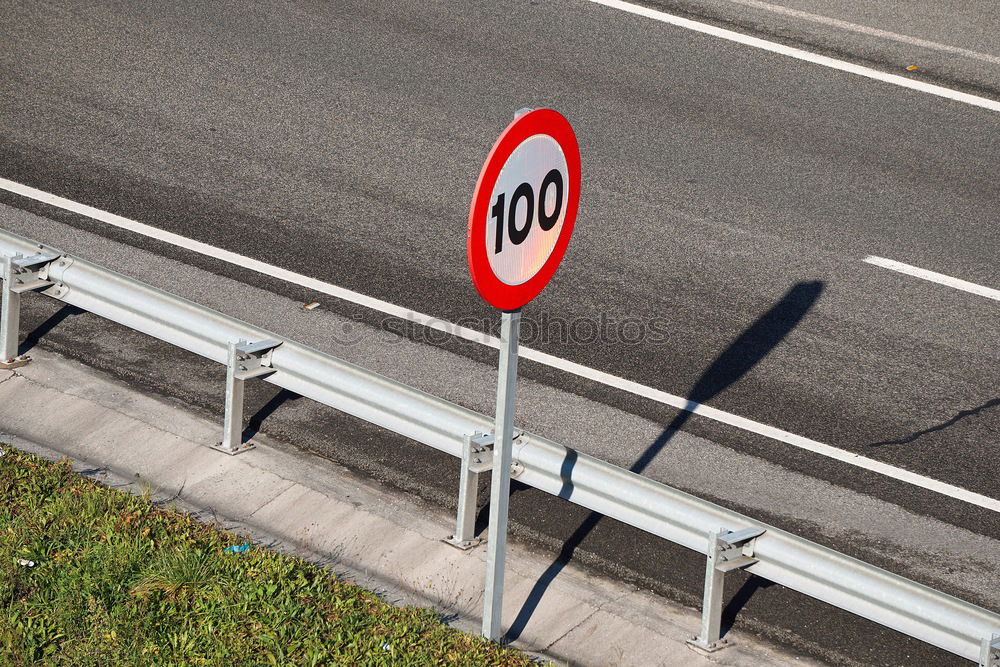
<point>496,550</point>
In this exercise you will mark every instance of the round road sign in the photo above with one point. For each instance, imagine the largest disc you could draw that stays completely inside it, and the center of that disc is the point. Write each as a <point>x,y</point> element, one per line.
<point>523,209</point>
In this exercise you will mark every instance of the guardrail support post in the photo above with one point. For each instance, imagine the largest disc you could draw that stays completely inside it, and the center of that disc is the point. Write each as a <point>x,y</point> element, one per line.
<point>727,550</point>
<point>990,656</point>
<point>10,316</point>
<point>244,362</point>
<point>232,430</point>
<point>477,457</point>
<point>711,610</point>
<point>19,274</point>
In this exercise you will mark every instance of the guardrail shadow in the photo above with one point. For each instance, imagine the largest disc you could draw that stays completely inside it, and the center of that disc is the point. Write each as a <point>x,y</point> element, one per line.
<point>256,422</point>
<point>740,598</point>
<point>735,361</point>
<point>43,329</point>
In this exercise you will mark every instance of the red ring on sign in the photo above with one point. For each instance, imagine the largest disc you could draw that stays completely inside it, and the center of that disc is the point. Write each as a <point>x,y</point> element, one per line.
<point>494,291</point>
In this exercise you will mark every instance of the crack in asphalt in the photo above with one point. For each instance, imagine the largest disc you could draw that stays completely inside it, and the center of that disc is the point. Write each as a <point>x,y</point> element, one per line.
<point>962,414</point>
<point>13,374</point>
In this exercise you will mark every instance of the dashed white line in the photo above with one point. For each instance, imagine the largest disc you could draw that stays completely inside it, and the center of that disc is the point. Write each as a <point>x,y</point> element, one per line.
<point>525,352</point>
<point>800,54</point>
<point>934,277</point>
<point>868,30</point>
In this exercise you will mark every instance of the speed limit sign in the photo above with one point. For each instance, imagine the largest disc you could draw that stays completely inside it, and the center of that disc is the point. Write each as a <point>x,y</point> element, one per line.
<point>519,226</point>
<point>523,209</point>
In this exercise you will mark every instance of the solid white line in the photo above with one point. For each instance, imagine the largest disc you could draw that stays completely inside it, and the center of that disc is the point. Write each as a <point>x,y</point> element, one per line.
<point>799,54</point>
<point>765,430</point>
<point>934,277</point>
<point>525,352</point>
<point>868,30</point>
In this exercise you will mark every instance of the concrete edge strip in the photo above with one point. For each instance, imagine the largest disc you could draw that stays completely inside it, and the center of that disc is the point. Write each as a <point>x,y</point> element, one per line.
<point>377,577</point>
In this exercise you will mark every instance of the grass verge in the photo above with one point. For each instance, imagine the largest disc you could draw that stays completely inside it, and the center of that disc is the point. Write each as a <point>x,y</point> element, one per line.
<point>95,576</point>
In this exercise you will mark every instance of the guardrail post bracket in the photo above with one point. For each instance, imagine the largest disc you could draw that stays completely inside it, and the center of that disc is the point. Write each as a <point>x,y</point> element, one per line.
<point>245,361</point>
<point>20,274</point>
<point>727,550</point>
<point>991,652</point>
<point>477,457</point>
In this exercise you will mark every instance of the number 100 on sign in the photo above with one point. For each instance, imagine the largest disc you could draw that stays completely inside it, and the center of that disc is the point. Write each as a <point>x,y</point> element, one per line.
<point>523,208</point>
<point>527,209</point>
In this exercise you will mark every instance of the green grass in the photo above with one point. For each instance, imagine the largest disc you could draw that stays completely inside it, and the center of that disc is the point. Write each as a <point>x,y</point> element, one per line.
<point>118,581</point>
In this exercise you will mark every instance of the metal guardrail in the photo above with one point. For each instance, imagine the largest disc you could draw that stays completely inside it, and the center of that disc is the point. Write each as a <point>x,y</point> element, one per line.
<point>730,540</point>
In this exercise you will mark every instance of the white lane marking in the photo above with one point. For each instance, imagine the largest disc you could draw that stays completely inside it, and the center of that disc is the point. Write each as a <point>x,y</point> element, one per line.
<point>799,54</point>
<point>526,352</point>
<point>799,441</point>
<point>868,30</point>
<point>934,277</point>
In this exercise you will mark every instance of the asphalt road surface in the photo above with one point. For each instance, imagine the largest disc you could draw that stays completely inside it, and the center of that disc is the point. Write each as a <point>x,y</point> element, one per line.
<point>730,198</point>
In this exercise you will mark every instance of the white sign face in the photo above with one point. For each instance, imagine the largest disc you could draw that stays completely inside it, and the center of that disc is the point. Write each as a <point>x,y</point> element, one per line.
<point>527,209</point>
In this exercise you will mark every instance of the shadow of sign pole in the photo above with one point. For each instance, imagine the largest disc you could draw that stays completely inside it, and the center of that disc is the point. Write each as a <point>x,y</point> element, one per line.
<point>749,348</point>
